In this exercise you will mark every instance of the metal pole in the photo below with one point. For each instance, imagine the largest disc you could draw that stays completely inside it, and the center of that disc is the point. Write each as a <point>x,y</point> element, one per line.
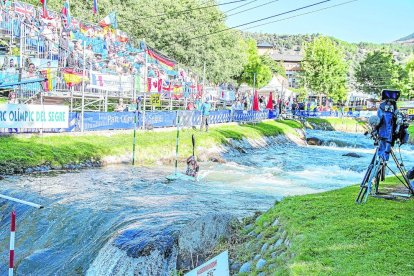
<point>145,87</point>
<point>254,82</point>
<point>83,89</point>
<point>21,201</point>
<point>204,79</point>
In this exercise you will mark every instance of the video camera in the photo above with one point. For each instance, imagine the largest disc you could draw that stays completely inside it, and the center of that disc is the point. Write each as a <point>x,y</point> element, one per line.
<point>390,125</point>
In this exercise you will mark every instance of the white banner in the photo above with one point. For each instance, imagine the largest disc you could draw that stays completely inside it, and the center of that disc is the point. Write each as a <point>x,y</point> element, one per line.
<point>34,116</point>
<point>113,83</point>
<point>218,266</point>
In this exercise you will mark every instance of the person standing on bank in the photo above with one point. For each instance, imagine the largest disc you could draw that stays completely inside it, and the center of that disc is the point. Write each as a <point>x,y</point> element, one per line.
<point>205,113</point>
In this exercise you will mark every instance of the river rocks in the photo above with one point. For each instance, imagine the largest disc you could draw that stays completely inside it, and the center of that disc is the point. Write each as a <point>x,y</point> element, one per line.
<point>260,264</point>
<point>245,268</point>
<point>235,267</point>
<point>278,243</point>
<point>264,248</point>
<point>200,236</point>
<point>352,154</point>
<point>275,223</point>
<point>313,141</point>
<point>217,159</point>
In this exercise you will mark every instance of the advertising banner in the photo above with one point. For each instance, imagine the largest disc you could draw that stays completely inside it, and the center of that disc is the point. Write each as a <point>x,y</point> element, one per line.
<point>113,83</point>
<point>34,116</point>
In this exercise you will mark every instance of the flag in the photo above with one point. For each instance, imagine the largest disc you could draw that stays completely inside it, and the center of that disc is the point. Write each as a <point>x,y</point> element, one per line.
<point>95,6</point>
<point>66,14</point>
<point>270,102</point>
<point>169,63</point>
<point>256,101</point>
<point>72,78</point>
<point>48,84</point>
<point>109,20</point>
<point>24,9</point>
<point>121,36</point>
<point>44,9</point>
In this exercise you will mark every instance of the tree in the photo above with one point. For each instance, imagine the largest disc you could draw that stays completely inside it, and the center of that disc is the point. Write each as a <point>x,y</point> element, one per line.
<point>275,67</point>
<point>406,80</point>
<point>255,71</point>
<point>325,71</point>
<point>376,72</point>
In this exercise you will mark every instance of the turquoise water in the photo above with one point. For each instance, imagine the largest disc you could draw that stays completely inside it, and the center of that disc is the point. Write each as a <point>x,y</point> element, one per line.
<point>100,221</point>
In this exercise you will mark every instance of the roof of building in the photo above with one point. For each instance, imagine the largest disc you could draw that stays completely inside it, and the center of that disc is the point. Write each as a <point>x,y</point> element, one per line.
<point>264,44</point>
<point>284,57</point>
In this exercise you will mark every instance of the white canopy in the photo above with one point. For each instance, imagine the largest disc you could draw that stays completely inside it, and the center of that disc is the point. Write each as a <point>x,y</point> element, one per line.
<point>279,86</point>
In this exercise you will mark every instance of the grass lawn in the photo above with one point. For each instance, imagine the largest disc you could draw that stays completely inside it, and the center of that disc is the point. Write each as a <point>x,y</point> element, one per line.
<point>20,151</point>
<point>330,234</point>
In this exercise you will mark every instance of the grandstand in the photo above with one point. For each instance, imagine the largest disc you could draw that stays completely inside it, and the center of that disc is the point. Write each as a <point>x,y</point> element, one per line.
<point>59,59</point>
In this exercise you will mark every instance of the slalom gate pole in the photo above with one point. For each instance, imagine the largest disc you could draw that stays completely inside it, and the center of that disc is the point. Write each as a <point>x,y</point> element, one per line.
<point>176,144</point>
<point>135,136</point>
<point>12,239</point>
<point>21,201</point>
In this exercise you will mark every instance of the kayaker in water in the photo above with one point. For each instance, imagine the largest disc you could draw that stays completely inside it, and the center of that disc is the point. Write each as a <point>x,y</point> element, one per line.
<point>192,167</point>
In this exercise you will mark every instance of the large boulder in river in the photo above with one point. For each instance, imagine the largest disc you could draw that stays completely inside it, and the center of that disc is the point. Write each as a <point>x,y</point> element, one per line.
<point>199,237</point>
<point>352,154</point>
<point>313,141</point>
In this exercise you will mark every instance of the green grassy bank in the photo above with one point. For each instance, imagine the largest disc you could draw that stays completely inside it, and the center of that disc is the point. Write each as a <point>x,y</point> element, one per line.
<point>328,233</point>
<point>17,152</point>
<point>339,124</point>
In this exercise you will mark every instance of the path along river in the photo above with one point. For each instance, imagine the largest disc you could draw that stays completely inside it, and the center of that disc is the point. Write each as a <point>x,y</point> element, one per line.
<point>95,220</point>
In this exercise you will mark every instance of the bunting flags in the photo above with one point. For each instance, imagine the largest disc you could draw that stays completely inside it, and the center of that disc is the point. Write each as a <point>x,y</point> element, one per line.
<point>95,7</point>
<point>109,20</point>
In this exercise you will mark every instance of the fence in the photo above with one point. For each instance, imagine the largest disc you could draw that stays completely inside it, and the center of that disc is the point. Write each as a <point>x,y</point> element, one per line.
<point>95,121</point>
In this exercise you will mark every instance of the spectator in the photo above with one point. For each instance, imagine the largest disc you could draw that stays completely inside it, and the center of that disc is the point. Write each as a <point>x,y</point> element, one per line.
<point>120,107</point>
<point>31,73</point>
<point>205,113</point>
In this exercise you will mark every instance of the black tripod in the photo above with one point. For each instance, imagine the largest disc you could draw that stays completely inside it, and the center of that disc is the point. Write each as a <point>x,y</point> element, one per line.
<point>376,173</point>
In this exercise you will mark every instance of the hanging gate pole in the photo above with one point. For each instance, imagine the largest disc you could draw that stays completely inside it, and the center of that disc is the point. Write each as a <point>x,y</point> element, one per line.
<point>12,239</point>
<point>176,143</point>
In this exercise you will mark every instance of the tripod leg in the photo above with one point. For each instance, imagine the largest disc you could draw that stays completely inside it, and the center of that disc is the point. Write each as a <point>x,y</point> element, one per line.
<point>366,184</point>
<point>403,172</point>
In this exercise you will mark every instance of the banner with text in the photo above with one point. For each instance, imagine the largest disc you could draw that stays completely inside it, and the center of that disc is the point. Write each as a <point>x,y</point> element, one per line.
<point>34,116</point>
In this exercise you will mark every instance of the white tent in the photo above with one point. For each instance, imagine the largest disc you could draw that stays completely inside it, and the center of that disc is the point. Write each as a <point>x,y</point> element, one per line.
<point>277,85</point>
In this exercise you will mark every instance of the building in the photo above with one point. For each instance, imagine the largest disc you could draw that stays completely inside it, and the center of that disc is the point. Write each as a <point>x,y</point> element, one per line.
<point>291,62</point>
<point>264,48</point>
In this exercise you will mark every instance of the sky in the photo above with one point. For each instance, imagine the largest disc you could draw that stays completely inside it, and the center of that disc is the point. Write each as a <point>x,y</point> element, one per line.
<point>378,21</point>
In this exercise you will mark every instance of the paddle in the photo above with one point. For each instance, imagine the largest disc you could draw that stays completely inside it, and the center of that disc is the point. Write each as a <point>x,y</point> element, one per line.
<point>193,140</point>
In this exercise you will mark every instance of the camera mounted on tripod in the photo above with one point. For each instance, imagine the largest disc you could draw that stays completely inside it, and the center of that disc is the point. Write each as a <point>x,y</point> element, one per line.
<point>389,124</point>
<point>388,127</point>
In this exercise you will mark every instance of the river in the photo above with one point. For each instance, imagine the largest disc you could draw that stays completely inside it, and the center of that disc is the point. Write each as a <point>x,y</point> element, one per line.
<point>99,221</point>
